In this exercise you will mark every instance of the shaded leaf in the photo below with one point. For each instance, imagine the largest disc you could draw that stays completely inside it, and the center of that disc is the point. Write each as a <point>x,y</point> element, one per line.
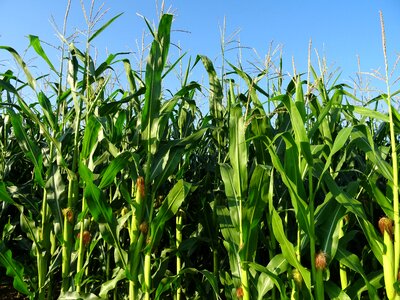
<point>14,269</point>
<point>112,283</point>
<point>288,248</point>
<point>168,209</point>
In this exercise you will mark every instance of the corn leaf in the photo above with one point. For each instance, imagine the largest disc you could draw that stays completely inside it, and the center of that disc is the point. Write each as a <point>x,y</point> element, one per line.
<point>166,161</point>
<point>269,276</point>
<point>47,111</point>
<point>22,64</point>
<point>4,85</point>
<point>102,28</point>
<point>351,261</point>
<point>216,92</point>
<point>232,195</point>
<point>116,165</point>
<point>361,137</point>
<point>28,146</point>
<point>288,248</point>
<point>112,283</point>
<point>56,197</point>
<point>251,84</point>
<point>154,67</point>
<point>34,42</point>
<point>238,152</point>
<point>166,284</point>
<point>4,196</point>
<point>334,292</point>
<point>91,137</point>
<point>13,269</point>
<point>98,206</point>
<point>254,210</point>
<point>78,296</point>
<point>296,191</point>
<point>327,219</point>
<point>168,209</point>
<point>338,144</point>
<point>298,123</point>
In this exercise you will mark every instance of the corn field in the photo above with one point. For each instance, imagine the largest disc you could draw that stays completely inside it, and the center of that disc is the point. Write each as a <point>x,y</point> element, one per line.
<point>282,189</point>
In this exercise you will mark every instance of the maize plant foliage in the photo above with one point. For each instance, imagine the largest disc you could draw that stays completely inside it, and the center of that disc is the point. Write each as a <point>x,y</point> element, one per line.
<point>137,193</point>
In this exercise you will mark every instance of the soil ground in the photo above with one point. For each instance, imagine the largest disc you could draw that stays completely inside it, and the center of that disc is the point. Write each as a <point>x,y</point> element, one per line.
<point>7,291</point>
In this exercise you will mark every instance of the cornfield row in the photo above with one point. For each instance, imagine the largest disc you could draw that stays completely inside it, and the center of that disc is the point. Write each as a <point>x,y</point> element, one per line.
<point>274,193</point>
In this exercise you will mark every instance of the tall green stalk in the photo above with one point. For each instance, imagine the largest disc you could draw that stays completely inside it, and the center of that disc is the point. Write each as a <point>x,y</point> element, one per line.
<point>316,273</point>
<point>137,237</point>
<point>151,131</point>
<point>342,271</point>
<point>68,238</point>
<point>43,253</point>
<point>83,243</point>
<point>396,217</point>
<point>73,185</point>
<point>178,239</point>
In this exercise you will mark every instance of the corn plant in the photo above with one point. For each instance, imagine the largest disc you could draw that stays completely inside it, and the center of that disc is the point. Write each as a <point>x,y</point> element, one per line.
<point>109,192</point>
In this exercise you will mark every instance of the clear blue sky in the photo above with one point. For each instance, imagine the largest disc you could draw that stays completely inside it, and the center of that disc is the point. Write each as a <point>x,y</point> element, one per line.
<point>340,29</point>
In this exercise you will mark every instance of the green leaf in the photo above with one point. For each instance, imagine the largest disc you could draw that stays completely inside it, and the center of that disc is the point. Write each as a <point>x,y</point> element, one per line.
<point>269,276</point>
<point>56,197</point>
<point>166,283</point>
<point>154,67</point>
<point>47,111</point>
<point>7,86</point>
<point>78,296</point>
<point>251,84</point>
<point>24,108</point>
<point>343,198</point>
<point>384,201</point>
<point>334,292</point>
<point>299,100</point>
<point>102,28</point>
<point>165,163</point>
<point>169,155</point>
<point>288,248</point>
<point>168,209</point>
<point>35,43</point>
<point>366,112</point>
<point>116,165</point>
<point>328,221</point>
<point>300,132</point>
<point>238,151</point>
<point>351,261</point>
<point>254,210</point>
<point>339,143</point>
<point>28,226</point>
<point>4,195</point>
<point>22,64</point>
<point>216,92</point>
<point>362,138</point>
<point>28,146</point>
<point>210,278</point>
<point>14,269</point>
<point>294,185</point>
<point>228,230</point>
<point>232,195</point>
<point>98,207</point>
<point>356,289</point>
<point>118,128</point>
<point>111,284</point>
<point>91,137</point>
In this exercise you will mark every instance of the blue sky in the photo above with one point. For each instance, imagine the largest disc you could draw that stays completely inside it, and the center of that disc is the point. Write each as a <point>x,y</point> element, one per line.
<point>340,30</point>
